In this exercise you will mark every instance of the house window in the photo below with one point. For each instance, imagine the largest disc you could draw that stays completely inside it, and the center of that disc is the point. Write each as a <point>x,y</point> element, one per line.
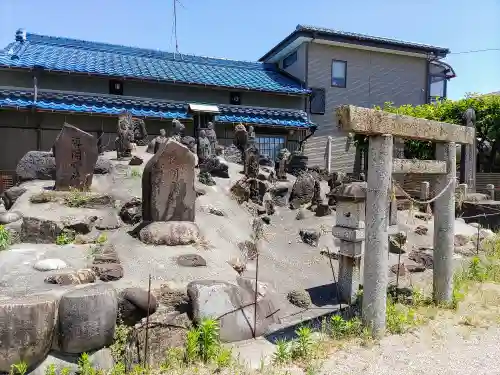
<point>235,98</point>
<point>270,145</point>
<point>339,73</point>
<point>317,101</point>
<point>289,60</point>
<point>437,89</point>
<point>115,87</point>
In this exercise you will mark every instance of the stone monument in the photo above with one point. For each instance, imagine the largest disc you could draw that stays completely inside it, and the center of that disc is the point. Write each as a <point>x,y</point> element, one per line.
<point>204,147</point>
<point>178,130</point>
<point>125,137</point>
<point>251,135</point>
<point>281,164</point>
<point>241,140</point>
<point>168,184</point>
<point>212,137</point>
<point>469,154</point>
<point>75,153</point>
<point>140,132</point>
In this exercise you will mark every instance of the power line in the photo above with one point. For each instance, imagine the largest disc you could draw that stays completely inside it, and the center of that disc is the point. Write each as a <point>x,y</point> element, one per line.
<point>475,51</point>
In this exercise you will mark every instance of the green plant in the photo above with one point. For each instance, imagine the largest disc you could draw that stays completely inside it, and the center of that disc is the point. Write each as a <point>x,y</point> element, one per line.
<point>283,353</point>
<point>19,368</point>
<point>303,344</point>
<point>135,173</point>
<point>223,358</point>
<point>5,238</point>
<point>121,337</point>
<point>76,198</point>
<point>65,371</point>
<point>192,345</point>
<point>102,238</point>
<point>85,366</point>
<point>65,238</point>
<point>118,369</point>
<point>51,369</point>
<point>399,318</point>
<point>174,358</point>
<point>208,340</point>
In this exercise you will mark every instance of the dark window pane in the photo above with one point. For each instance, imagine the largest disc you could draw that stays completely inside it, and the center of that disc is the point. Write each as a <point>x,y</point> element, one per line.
<point>317,101</point>
<point>289,60</point>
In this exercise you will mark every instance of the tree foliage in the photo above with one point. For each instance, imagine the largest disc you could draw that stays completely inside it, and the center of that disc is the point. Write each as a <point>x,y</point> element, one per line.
<point>487,109</point>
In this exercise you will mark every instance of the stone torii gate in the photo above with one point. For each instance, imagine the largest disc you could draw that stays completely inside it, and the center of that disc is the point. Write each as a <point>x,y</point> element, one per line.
<point>381,127</point>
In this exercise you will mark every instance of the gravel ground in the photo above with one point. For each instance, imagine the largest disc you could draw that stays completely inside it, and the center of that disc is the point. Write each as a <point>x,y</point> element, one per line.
<point>444,346</point>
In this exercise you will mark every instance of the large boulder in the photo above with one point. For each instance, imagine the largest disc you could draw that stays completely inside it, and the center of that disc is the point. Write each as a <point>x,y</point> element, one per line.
<point>166,330</point>
<point>26,329</point>
<point>87,319</point>
<point>10,217</point>
<point>234,306</point>
<point>38,230</point>
<point>133,305</point>
<point>170,233</point>
<point>41,165</point>
<point>302,190</point>
<point>100,360</point>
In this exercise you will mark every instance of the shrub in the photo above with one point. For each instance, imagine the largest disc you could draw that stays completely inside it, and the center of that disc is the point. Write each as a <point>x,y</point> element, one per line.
<point>5,238</point>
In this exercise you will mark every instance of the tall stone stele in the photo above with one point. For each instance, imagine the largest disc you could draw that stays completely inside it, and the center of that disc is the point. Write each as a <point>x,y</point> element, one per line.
<point>350,229</point>
<point>168,184</point>
<point>76,154</point>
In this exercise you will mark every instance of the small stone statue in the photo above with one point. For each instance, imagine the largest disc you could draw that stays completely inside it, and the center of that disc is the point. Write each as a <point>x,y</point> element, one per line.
<point>157,141</point>
<point>251,135</point>
<point>251,168</point>
<point>204,148</point>
<point>281,164</point>
<point>212,137</point>
<point>125,137</point>
<point>177,130</point>
<point>241,140</point>
<point>140,132</point>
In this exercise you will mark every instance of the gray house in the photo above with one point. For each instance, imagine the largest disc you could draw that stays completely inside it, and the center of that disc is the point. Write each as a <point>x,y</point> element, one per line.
<point>347,68</point>
<point>46,81</point>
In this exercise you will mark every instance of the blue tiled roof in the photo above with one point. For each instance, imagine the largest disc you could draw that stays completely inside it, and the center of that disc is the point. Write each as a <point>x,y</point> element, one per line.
<point>264,116</point>
<point>77,56</point>
<point>114,105</point>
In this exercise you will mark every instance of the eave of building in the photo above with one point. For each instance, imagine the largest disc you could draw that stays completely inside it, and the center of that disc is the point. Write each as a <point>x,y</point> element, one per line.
<point>113,105</point>
<point>298,37</point>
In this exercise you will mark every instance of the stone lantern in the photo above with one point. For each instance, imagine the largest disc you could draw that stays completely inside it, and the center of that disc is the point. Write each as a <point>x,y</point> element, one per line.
<point>350,229</point>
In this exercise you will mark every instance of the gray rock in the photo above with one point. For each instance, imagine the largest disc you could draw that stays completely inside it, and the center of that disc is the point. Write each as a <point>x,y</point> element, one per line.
<point>302,190</point>
<point>108,271</point>
<point>10,217</point>
<point>233,305</point>
<point>213,210</point>
<point>135,161</point>
<point>109,221</point>
<point>27,328</point>
<point>91,237</point>
<point>50,265</point>
<point>36,165</point>
<point>166,330</point>
<point>170,233</point>
<point>82,276</point>
<point>323,209</point>
<point>421,230</point>
<point>206,178</point>
<point>133,305</point>
<point>103,166</point>
<point>191,260</point>
<point>79,224</point>
<point>37,230</point>
<point>131,211</point>
<point>310,236</point>
<point>299,298</point>
<point>461,240</point>
<point>11,195</point>
<point>87,318</point>
<point>101,359</point>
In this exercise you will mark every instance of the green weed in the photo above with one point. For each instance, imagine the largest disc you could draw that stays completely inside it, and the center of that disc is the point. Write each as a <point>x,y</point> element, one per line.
<point>121,337</point>
<point>76,198</point>
<point>283,354</point>
<point>84,365</point>
<point>65,238</point>
<point>19,368</point>
<point>51,369</point>
<point>302,345</point>
<point>208,339</point>
<point>5,238</point>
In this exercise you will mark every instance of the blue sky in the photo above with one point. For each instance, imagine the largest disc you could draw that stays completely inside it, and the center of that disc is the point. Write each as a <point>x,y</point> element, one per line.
<point>247,29</point>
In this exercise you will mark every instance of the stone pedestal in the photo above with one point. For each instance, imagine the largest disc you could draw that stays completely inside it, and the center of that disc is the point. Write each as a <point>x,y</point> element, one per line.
<point>350,229</point>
